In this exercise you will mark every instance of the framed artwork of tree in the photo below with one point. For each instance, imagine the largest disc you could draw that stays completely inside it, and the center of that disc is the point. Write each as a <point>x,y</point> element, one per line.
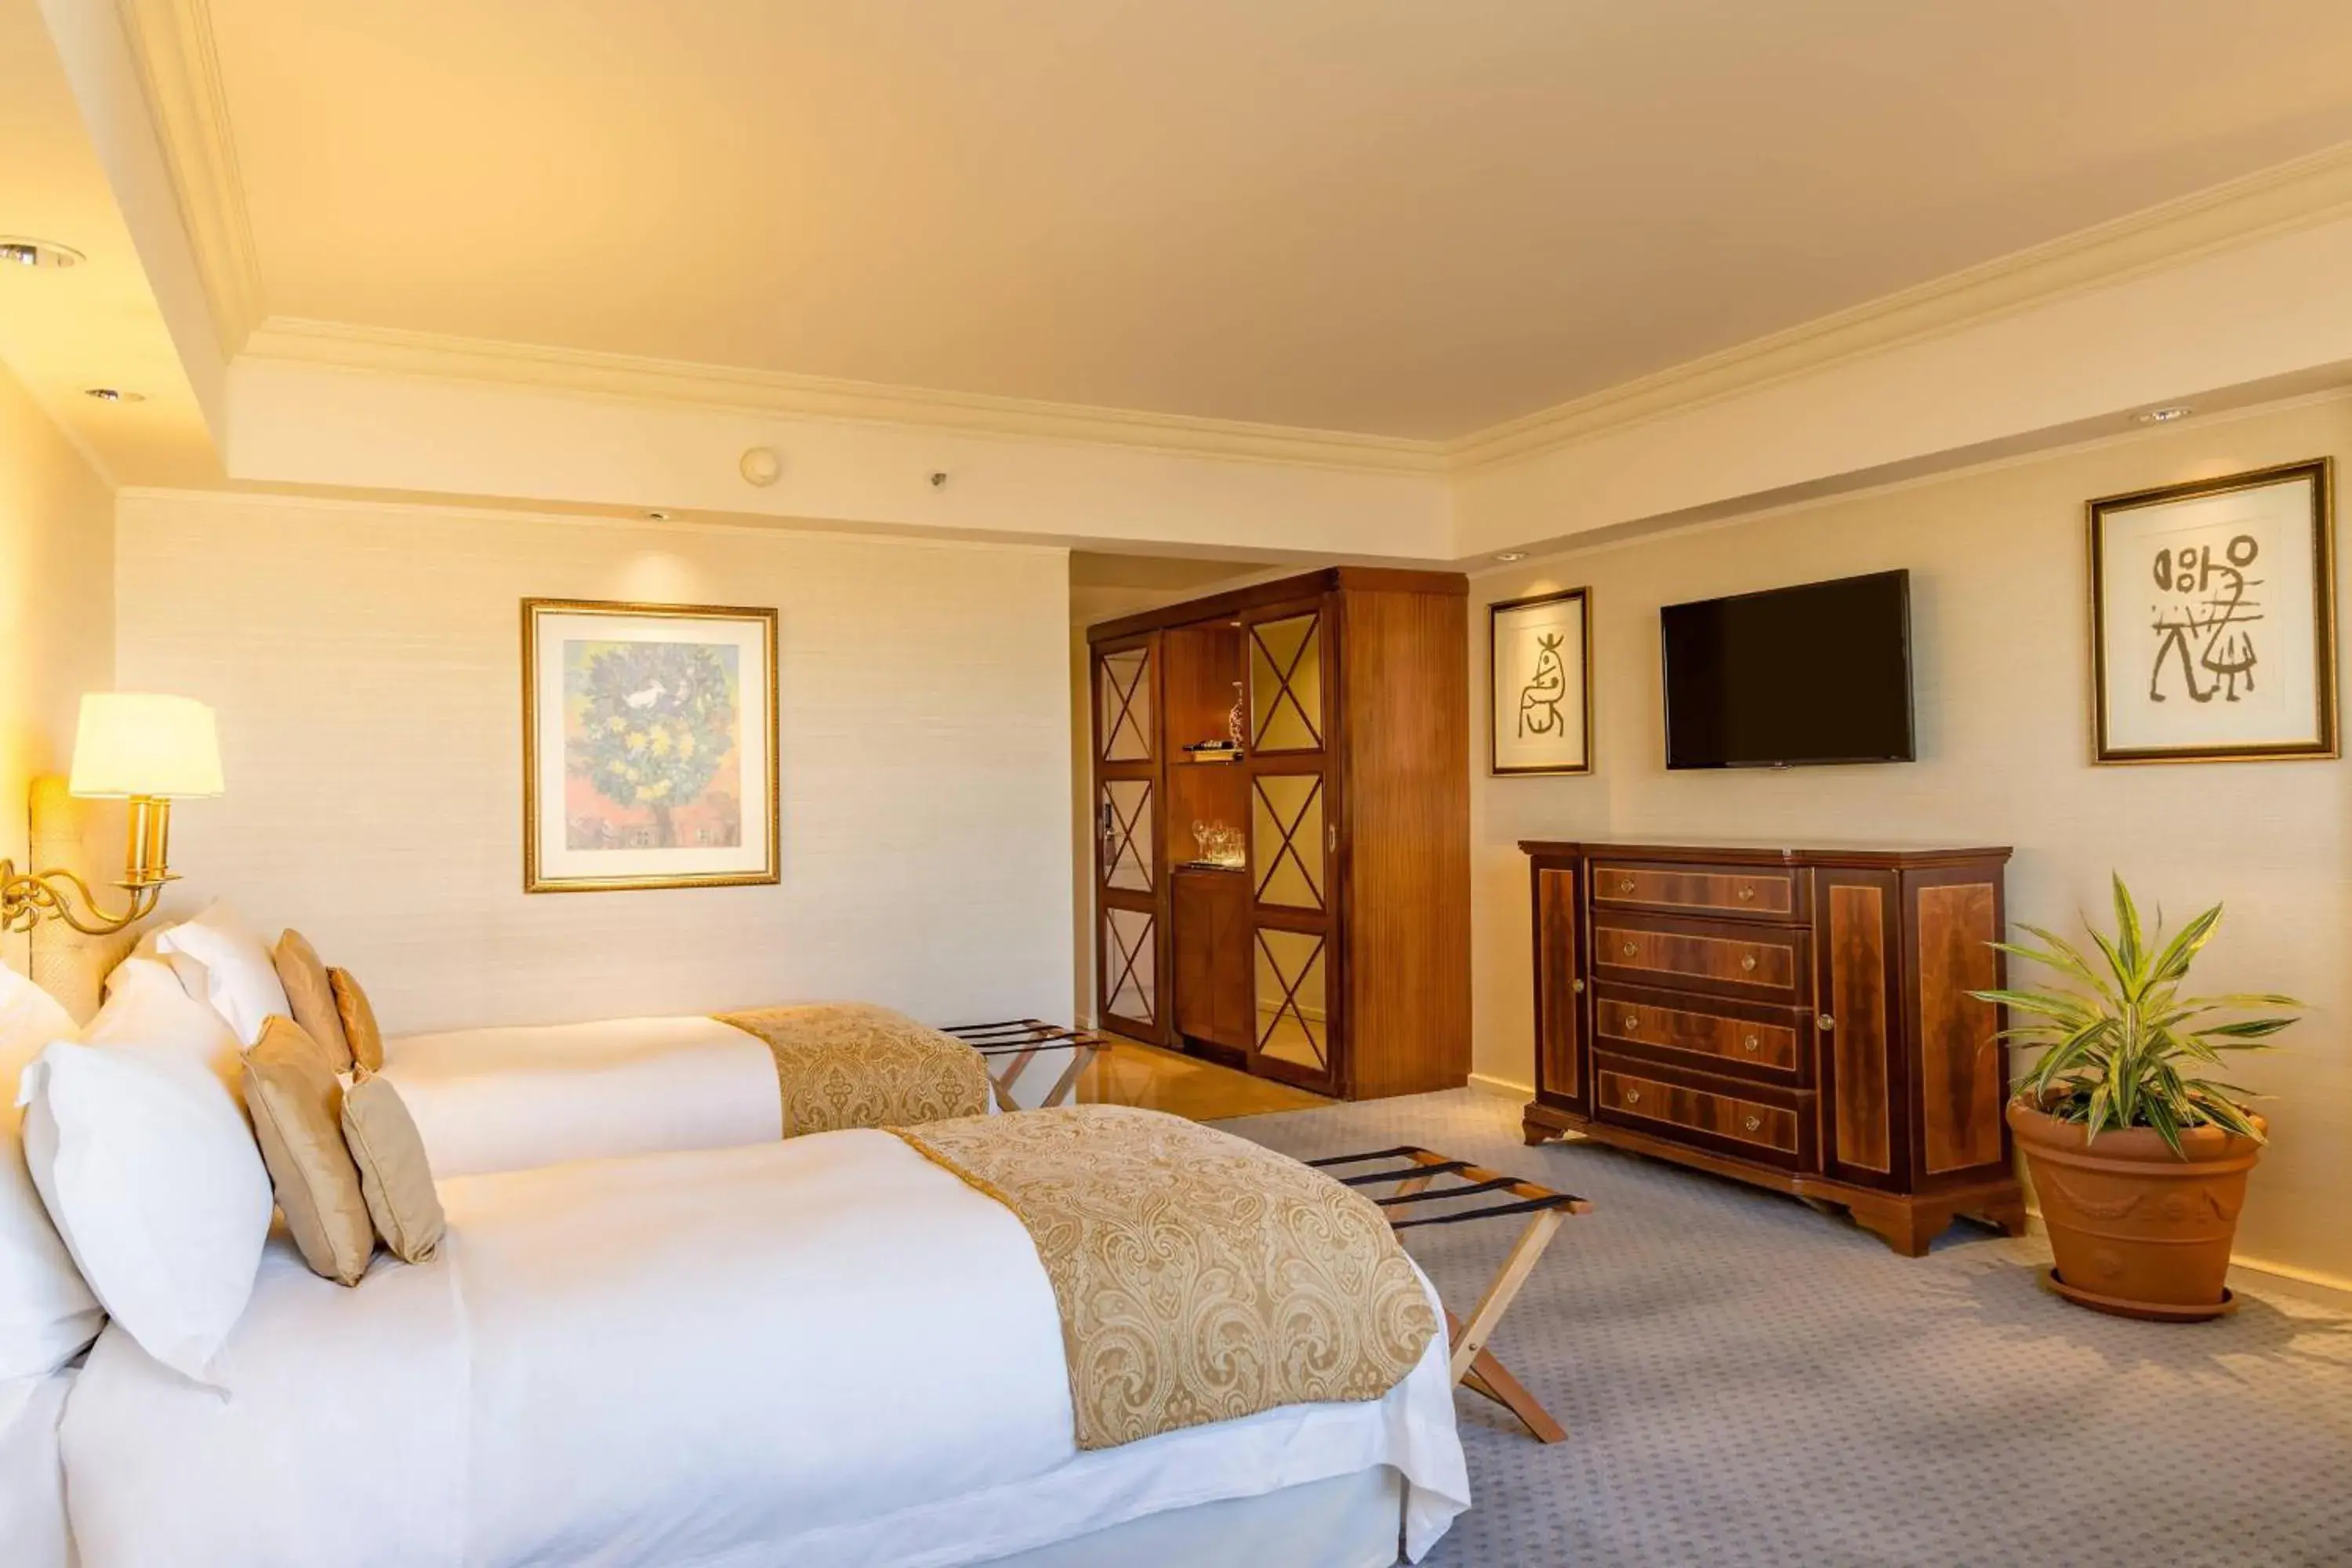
<point>649,746</point>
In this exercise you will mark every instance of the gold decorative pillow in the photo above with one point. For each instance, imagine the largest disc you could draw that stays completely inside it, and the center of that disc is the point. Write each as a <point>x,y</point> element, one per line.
<point>311,995</point>
<point>296,1103</point>
<point>394,1174</point>
<point>358,1018</point>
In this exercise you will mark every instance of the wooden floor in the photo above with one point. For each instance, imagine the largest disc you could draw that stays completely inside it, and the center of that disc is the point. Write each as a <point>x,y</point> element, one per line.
<point>1129,1073</point>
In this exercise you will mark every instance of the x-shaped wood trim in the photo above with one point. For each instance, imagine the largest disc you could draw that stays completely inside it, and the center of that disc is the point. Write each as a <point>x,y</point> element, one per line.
<point>1122,836</point>
<point>1127,956</point>
<point>1289,831</point>
<point>1290,995</point>
<point>1282,680</point>
<point>1125,697</point>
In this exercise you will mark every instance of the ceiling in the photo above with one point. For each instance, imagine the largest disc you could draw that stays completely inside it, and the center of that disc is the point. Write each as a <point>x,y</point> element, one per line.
<point>1401,217</point>
<point>95,325</point>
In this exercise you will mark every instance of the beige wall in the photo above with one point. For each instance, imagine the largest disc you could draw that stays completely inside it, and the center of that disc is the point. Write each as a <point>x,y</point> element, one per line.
<point>2000,653</point>
<point>365,663</point>
<point>56,606</point>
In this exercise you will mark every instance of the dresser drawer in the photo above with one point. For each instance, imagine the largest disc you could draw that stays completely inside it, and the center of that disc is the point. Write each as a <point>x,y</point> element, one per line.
<point>1763,963</point>
<point>1775,1130</point>
<point>1773,1043</point>
<point>1744,892</point>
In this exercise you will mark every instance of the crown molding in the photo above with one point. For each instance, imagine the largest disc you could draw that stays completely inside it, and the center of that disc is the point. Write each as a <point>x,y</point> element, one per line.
<point>678,383</point>
<point>179,70</point>
<point>2302,193</point>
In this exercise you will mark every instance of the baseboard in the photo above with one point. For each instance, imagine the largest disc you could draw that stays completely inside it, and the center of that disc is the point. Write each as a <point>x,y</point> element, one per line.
<point>1502,1086</point>
<point>2255,1274</point>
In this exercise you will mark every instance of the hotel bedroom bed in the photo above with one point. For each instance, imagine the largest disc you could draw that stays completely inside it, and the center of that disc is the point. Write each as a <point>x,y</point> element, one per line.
<point>928,1346</point>
<point>503,1098</point>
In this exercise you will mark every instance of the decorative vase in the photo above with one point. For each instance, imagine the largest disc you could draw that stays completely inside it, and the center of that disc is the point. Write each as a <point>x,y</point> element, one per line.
<point>2137,1229</point>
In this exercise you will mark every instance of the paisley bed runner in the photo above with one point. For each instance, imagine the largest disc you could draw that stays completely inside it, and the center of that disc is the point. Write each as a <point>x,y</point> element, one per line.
<point>850,1064</point>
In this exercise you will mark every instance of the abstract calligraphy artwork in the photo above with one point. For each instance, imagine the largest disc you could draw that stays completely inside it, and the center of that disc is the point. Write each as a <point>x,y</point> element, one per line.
<point>2213,619</point>
<point>1540,684</point>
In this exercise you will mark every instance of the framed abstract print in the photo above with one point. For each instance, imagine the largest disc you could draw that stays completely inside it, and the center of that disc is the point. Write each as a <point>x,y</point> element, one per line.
<point>1540,684</point>
<point>2213,619</point>
<point>648,746</point>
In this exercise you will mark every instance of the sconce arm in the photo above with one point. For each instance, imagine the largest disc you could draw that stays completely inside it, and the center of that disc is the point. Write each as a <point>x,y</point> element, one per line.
<point>26,900</point>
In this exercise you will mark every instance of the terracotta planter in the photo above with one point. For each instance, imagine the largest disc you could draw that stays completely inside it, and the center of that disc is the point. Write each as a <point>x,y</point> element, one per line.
<point>2137,1229</point>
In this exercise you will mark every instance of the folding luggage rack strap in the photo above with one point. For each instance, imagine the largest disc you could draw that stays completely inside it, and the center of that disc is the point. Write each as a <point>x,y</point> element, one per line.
<point>1021,1040</point>
<point>1416,1172</point>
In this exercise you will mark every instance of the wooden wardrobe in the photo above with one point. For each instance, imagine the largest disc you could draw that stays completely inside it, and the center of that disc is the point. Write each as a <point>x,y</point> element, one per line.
<point>1335,955</point>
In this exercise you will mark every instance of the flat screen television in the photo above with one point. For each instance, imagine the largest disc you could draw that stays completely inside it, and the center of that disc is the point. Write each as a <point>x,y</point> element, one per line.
<point>1816,673</point>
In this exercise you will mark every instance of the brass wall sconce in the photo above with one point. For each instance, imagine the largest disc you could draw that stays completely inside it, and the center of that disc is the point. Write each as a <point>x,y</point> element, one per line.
<point>138,747</point>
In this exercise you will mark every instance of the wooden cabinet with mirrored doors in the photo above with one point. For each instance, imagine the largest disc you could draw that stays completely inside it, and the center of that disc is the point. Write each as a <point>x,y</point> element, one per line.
<point>1281,805</point>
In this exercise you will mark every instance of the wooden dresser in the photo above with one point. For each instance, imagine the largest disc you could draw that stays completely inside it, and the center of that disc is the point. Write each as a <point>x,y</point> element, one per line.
<point>1796,1018</point>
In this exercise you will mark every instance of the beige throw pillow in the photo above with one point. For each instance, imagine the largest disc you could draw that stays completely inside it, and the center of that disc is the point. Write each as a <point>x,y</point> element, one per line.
<point>394,1173</point>
<point>359,1031</point>
<point>311,995</point>
<point>296,1103</point>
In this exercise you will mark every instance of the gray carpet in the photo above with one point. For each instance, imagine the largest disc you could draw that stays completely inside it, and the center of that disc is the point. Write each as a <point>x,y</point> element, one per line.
<point>1746,1381</point>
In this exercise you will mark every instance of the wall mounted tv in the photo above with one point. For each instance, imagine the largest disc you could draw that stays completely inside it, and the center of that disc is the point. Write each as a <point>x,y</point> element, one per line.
<point>1817,673</point>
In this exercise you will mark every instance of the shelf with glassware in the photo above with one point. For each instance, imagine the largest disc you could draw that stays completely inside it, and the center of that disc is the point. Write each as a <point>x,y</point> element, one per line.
<point>1249,743</point>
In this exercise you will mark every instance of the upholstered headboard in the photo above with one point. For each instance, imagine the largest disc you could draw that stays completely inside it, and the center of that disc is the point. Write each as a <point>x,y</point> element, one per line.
<point>66,964</point>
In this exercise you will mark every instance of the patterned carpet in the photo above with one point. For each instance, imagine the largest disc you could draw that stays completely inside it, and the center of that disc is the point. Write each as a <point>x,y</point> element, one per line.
<point>1746,1381</point>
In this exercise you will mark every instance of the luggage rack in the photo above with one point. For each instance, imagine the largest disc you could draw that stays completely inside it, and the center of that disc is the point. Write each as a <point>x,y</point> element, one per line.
<point>1472,1364</point>
<point>1023,1040</point>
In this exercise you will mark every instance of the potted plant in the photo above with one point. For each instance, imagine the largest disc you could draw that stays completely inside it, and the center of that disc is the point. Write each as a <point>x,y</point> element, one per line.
<point>2139,1161</point>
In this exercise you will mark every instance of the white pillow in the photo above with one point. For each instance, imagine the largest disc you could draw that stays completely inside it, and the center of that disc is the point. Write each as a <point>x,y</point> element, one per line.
<point>46,1312</point>
<point>156,1185</point>
<point>241,979</point>
<point>189,972</point>
<point>145,1007</point>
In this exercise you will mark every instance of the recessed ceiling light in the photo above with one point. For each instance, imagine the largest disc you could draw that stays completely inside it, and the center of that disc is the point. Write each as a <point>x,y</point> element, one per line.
<point>1512,555</point>
<point>113,395</point>
<point>660,516</point>
<point>2166,415</point>
<point>25,251</point>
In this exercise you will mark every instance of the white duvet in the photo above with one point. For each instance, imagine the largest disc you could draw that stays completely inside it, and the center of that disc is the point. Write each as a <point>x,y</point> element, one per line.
<point>815,1352</point>
<point>517,1099</point>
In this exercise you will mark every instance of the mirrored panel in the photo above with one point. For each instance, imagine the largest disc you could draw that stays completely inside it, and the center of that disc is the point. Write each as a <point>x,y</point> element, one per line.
<point>1125,722</point>
<point>1127,833</point>
<point>1287,829</point>
<point>1286,685</point>
<point>1292,1024</point>
<point>1132,984</point>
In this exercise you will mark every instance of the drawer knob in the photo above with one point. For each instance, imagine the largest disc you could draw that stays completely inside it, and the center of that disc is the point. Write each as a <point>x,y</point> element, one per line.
<point>1752,1123</point>
<point>1749,1044</point>
<point>1632,1097</point>
<point>1826,1023</point>
<point>1630,948</point>
<point>1633,1021</point>
<point>1747,892</point>
<point>1748,963</point>
<point>1624,884</point>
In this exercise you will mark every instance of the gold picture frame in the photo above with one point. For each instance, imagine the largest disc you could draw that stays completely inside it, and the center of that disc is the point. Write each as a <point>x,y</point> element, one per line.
<point>2214,668</point>
<point>1540,626</point>
<point>658,750</point>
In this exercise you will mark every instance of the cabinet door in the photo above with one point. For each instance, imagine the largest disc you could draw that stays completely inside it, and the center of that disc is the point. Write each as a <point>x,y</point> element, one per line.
<point>1860,1069</point>
<point>1295,840</point>
<point>1562,1079</point>
<point>1131,893</point>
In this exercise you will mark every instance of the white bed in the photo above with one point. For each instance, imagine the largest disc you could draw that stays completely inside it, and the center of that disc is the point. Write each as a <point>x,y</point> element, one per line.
<point>827,1350</point>
<point>518,1098</point>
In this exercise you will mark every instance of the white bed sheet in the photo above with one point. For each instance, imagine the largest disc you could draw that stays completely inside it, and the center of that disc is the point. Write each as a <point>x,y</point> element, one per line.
<point>517,1099</point>
<point>826,1351</point>
<point>32,1477</point>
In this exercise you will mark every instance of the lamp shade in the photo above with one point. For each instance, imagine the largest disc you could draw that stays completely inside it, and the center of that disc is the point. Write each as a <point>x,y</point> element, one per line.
<point>137,743</point>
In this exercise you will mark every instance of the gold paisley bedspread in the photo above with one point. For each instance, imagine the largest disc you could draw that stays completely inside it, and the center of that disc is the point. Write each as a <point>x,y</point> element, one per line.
<point>1200,1277</point>
<point>849,1064</point>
